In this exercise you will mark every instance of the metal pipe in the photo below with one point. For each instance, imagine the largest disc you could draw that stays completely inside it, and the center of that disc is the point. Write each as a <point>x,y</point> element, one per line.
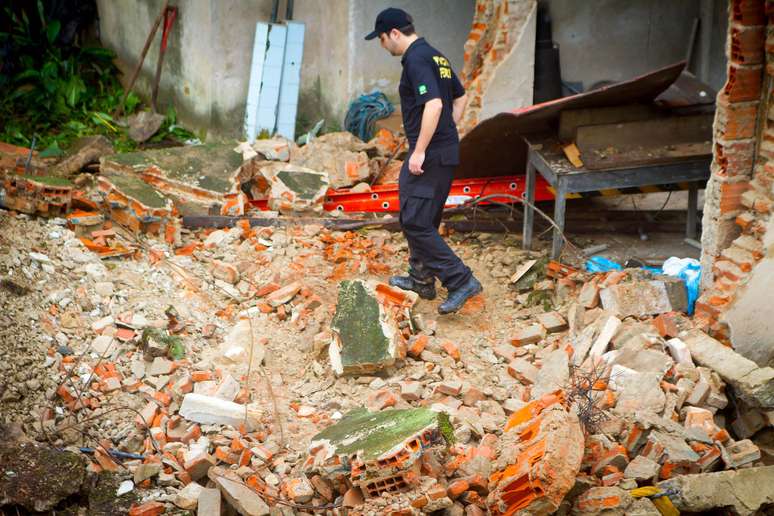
<point>289,10</point>
<point>274,11</point>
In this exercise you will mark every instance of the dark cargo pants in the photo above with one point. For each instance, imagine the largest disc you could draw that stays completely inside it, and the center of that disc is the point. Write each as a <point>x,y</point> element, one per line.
<point>422,199</point>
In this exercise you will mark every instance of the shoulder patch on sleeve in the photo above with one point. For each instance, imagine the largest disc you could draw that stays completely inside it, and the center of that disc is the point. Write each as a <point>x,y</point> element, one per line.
<point>422,89</point>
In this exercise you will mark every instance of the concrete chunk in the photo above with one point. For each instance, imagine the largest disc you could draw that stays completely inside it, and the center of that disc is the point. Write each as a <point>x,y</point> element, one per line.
<point>210,410</point>
<point>737,491</point>
<point>637,298</point>
<point>209,503</point>
<point>553,375</point>
<point>609,329</point>
<point>295,189</point>
<point>365,334</point>
<point>552,321</point>
<point>243,499</point>
<point>755,385</point>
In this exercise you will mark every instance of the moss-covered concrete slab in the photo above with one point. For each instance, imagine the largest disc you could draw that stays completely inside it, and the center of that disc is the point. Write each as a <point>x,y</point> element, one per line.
<point>364,334</point>
<point>294,189</point>
<point>370,436</point>
<point>135,188</point>
<point>38,477</point>
<point>207,168</point>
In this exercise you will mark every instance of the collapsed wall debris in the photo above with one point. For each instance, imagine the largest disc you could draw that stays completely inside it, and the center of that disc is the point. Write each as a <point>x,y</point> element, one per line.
<point>366,327</point>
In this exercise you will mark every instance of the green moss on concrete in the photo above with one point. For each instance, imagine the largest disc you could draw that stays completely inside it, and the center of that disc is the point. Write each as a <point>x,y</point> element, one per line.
<point>208,166</point>
<point>374,433</point>
<point>136,188</point>
<point>305,184</point>
<point>50,181</point>
<point>357,322</point>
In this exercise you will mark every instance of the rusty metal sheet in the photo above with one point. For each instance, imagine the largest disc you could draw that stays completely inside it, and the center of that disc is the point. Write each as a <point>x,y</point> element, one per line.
<point>494,147</point>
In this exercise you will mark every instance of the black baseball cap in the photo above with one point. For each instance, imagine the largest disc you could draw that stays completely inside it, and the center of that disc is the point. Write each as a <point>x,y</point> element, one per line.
<point>390,18</point>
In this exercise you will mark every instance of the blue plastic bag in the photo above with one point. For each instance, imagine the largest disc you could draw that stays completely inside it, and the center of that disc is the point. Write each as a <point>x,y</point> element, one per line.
<point>688,270</point>
<point>602,264</point>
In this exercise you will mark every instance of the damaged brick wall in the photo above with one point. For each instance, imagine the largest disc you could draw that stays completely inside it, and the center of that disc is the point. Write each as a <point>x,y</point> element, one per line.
<point>739,193</point>
<point>497,28</point>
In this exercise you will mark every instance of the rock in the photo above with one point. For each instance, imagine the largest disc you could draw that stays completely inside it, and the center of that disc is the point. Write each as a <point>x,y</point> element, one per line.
<point>188,497</point>
<point>284,294</point>
<point>243,499</point>
<point>608,331</point>
<point>38,477</point>
<point>159,366</point>
<point>210,410</point>
<point>411,391</point>
<point>146,471</point>
<point>101,344</point>
<point>640,392</point>
<point>144,124</point>
<point>637,298</point>
<point>554,374</point>
<point>755,385</point>
<point>295,189</point>
<point>339,155</point>
<point>603,501</point>
<point>83,151</point>
<point>529,335</point>
<point>679,351</point>
<point>642,469</point>
<point>523,370</point>
<point>736,491</point>
<point>236,345</point>
<point>644,360</point>
<point>553,322</point>
<point>209,503</point>
<point>365,334</point>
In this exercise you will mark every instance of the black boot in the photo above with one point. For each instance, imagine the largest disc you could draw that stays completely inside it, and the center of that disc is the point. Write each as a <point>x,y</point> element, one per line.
<point>425,289</point>
<point>457,298</point>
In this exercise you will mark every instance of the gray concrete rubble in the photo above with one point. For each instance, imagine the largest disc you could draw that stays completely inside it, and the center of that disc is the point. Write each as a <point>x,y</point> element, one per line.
<point>754,384</point>
<point>742,492</point>
<point>342,156</point>
<point>295,189</point>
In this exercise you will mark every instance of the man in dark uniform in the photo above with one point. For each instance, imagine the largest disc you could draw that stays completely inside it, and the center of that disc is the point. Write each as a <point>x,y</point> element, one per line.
<point>432,99</point>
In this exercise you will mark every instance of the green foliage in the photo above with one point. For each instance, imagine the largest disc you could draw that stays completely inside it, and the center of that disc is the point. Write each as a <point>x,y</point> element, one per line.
<point>60,92</point>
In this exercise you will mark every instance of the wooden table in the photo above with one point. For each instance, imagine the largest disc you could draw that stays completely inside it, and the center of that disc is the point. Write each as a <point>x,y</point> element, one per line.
<point>545,156</point>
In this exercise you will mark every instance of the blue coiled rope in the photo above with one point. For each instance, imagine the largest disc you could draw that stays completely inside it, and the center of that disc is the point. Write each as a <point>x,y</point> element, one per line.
<point>365,111</point>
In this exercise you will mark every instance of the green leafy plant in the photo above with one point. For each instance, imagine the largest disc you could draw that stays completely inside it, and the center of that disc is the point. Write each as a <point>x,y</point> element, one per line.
<point>60,92</point>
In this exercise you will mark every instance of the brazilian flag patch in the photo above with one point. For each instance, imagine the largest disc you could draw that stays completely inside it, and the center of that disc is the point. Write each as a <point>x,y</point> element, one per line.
<point>422,89</point>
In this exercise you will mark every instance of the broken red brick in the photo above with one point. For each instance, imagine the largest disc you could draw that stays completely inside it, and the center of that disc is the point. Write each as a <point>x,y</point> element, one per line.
<point>147,509</point>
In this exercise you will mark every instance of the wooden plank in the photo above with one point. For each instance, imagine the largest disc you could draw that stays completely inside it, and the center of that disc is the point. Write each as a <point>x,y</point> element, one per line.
<point>573,155</point>
<point>645,142</point>
<point>570,120</point>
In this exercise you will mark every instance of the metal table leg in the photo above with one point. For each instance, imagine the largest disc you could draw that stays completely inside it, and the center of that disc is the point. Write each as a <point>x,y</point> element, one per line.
<point>559,207</point>
<point>691,222</point>
<point>529,212</point>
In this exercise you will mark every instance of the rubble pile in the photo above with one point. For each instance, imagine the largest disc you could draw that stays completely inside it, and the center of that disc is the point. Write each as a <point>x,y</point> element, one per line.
<point>263,368</point>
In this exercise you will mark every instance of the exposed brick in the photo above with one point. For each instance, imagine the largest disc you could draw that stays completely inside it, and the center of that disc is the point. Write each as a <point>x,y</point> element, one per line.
<point>756,201</point>
<point>748,12</point>
<point>752,244</point>
<point>744,259</point>
<point>728,269</point>
<point>735,157</point>
<point>745,44</point>
<point>743,83</point>
<point>745,220</point>
<point>731,195</point>
<point>735,120</point>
